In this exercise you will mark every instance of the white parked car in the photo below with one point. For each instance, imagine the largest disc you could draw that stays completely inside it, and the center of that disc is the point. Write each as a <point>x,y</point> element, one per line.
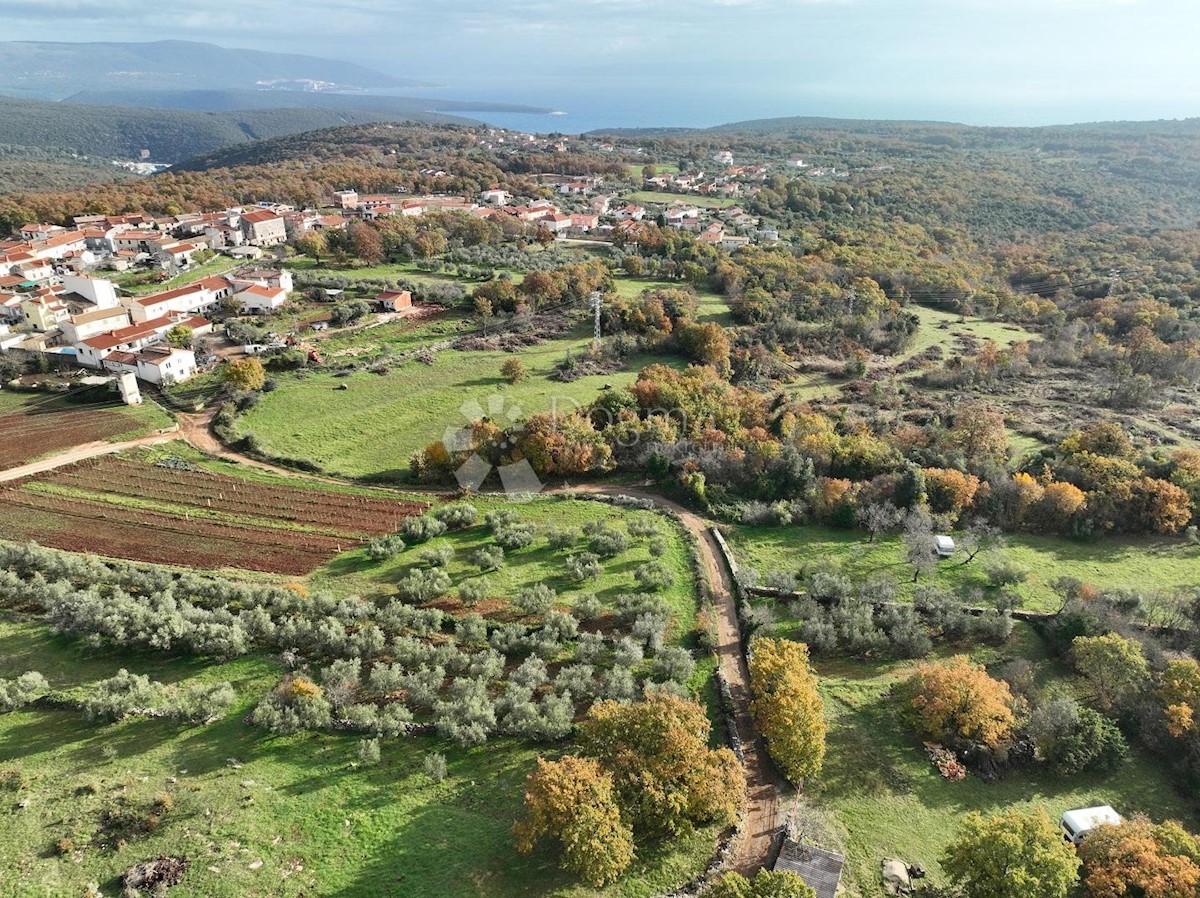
<point>1078,823</point>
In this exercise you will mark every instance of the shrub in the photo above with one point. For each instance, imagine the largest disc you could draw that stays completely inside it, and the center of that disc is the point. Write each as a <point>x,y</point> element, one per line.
<point>423,585</point>
<point>437,557</point>
<point>642,527</point>
<point>123,695</point>
<point>466,715</point>
<point>488,558</point>
<point>434,766</point>
<point>423,528</point>
<point>515,536</point>
<point>536,599</point>
<point>627,652</point>
<point>458,516</point>
<point>657,547</point>
<point>296,704</point>
<point>26,688</point>
<point>368,752</point>
<point>559,538</point>
<point>607,542</point>
<point>585,566</point>
<point>674,664</point>
<point>471,629</point>
<point>385,547</point>
<point>650,628</point>
<point>588,606</point>
<point>1003,572</point>
<point>472,592</point>
<point>653,575</point>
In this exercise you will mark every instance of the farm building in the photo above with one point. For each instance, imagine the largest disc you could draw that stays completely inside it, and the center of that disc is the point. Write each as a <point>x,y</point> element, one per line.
<point>821,870</point>
<point>394,300</point>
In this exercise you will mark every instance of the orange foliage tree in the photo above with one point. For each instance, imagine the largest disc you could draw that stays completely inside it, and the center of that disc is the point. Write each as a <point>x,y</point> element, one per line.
<point>957,700</point>
<point>1138,857</point>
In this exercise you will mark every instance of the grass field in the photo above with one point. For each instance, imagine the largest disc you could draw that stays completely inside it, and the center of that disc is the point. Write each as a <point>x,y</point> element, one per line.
<point>891,801</point>
<point>684,199</point>
<point>370,424</point>
<point>260,815</point>
<point>1146,564</point>
<point>145,282</point>
<point>354,573</point>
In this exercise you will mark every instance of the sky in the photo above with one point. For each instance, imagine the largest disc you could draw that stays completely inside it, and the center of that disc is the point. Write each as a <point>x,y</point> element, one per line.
<point>703,62</point>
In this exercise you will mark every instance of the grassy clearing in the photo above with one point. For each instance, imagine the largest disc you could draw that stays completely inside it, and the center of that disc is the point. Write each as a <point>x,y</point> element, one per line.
<point>1146,564</point>
<point>891,801</point>
<point>326,419</point>
<point>684,199</point>
<point>144,282</point>
<point>294,817</point>
<point>946,329</point>
<point>354,573</point>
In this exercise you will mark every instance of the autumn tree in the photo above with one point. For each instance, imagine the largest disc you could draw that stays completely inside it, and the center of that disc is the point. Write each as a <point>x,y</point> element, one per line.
<point>706,343</point>
<point>1157,506</point>
<point>765,884</point>
<point>1140,858</point>
<point>979,432</point>
<point>366,242</point>
<point>1011,855</point>
<point>1179,692</point>
<point>1116,667</point>
<point>245,374</point>
<point>574,802</point>
<point>313,244</point>
<point>513,370</point>
<point>787,707</point>
<point>1058,504</point>
<point>666,776</point>
<point>950,491</point>
<point>957,700</point>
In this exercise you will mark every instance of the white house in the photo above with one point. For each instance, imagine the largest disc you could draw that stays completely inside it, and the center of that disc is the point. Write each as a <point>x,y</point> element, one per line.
<point>93,323</point>
<point>262,227</point>
<point>98,291</point>
<point>257,299</point>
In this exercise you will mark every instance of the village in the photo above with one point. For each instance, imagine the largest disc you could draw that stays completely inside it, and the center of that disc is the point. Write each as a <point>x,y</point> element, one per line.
<point>59,301</point>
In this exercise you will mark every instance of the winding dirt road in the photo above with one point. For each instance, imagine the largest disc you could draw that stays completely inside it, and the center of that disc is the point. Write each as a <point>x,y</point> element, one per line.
<point>763,811</point>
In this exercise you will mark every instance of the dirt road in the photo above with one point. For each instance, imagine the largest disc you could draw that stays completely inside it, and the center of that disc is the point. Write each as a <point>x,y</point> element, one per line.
<point>83,451</point>
<point>764,808</point>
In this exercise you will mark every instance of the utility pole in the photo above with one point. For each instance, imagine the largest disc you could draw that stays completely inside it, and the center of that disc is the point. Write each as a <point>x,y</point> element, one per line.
<point>596,297</point>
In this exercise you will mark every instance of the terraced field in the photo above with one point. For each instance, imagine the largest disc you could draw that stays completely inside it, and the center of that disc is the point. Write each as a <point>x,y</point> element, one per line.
<point>177,514</point>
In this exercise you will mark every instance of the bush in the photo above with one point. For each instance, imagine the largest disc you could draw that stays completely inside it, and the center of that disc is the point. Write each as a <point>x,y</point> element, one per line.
<point>536,599</point>
<point>458,516</point>
<point>385,547</point>
<point>607,542</point>
<point>423,585</point>
<point>488,558</point>
<point>466,715</point>
<point>657,547</point>
<point>368,752</point>
<point>472,592</point>
<point>559,538</point>
<point>122,696</point>
<point>26,688</point>
<point>674,664</point>
<point>585,566</point>
<point>296,704</point>
<point>437,557</point>
<point>1002,572</point>
<point>434,766</point>
<point>588,606</point>
<point>654,575</point>
<point>642,527</point>
<point>423,528</point>
<point>515,536</point>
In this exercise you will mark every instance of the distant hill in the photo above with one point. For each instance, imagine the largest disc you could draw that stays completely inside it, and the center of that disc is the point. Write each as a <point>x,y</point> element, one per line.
<point>66,130</point>
<point>232,99</point>
<point>46,70</point>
